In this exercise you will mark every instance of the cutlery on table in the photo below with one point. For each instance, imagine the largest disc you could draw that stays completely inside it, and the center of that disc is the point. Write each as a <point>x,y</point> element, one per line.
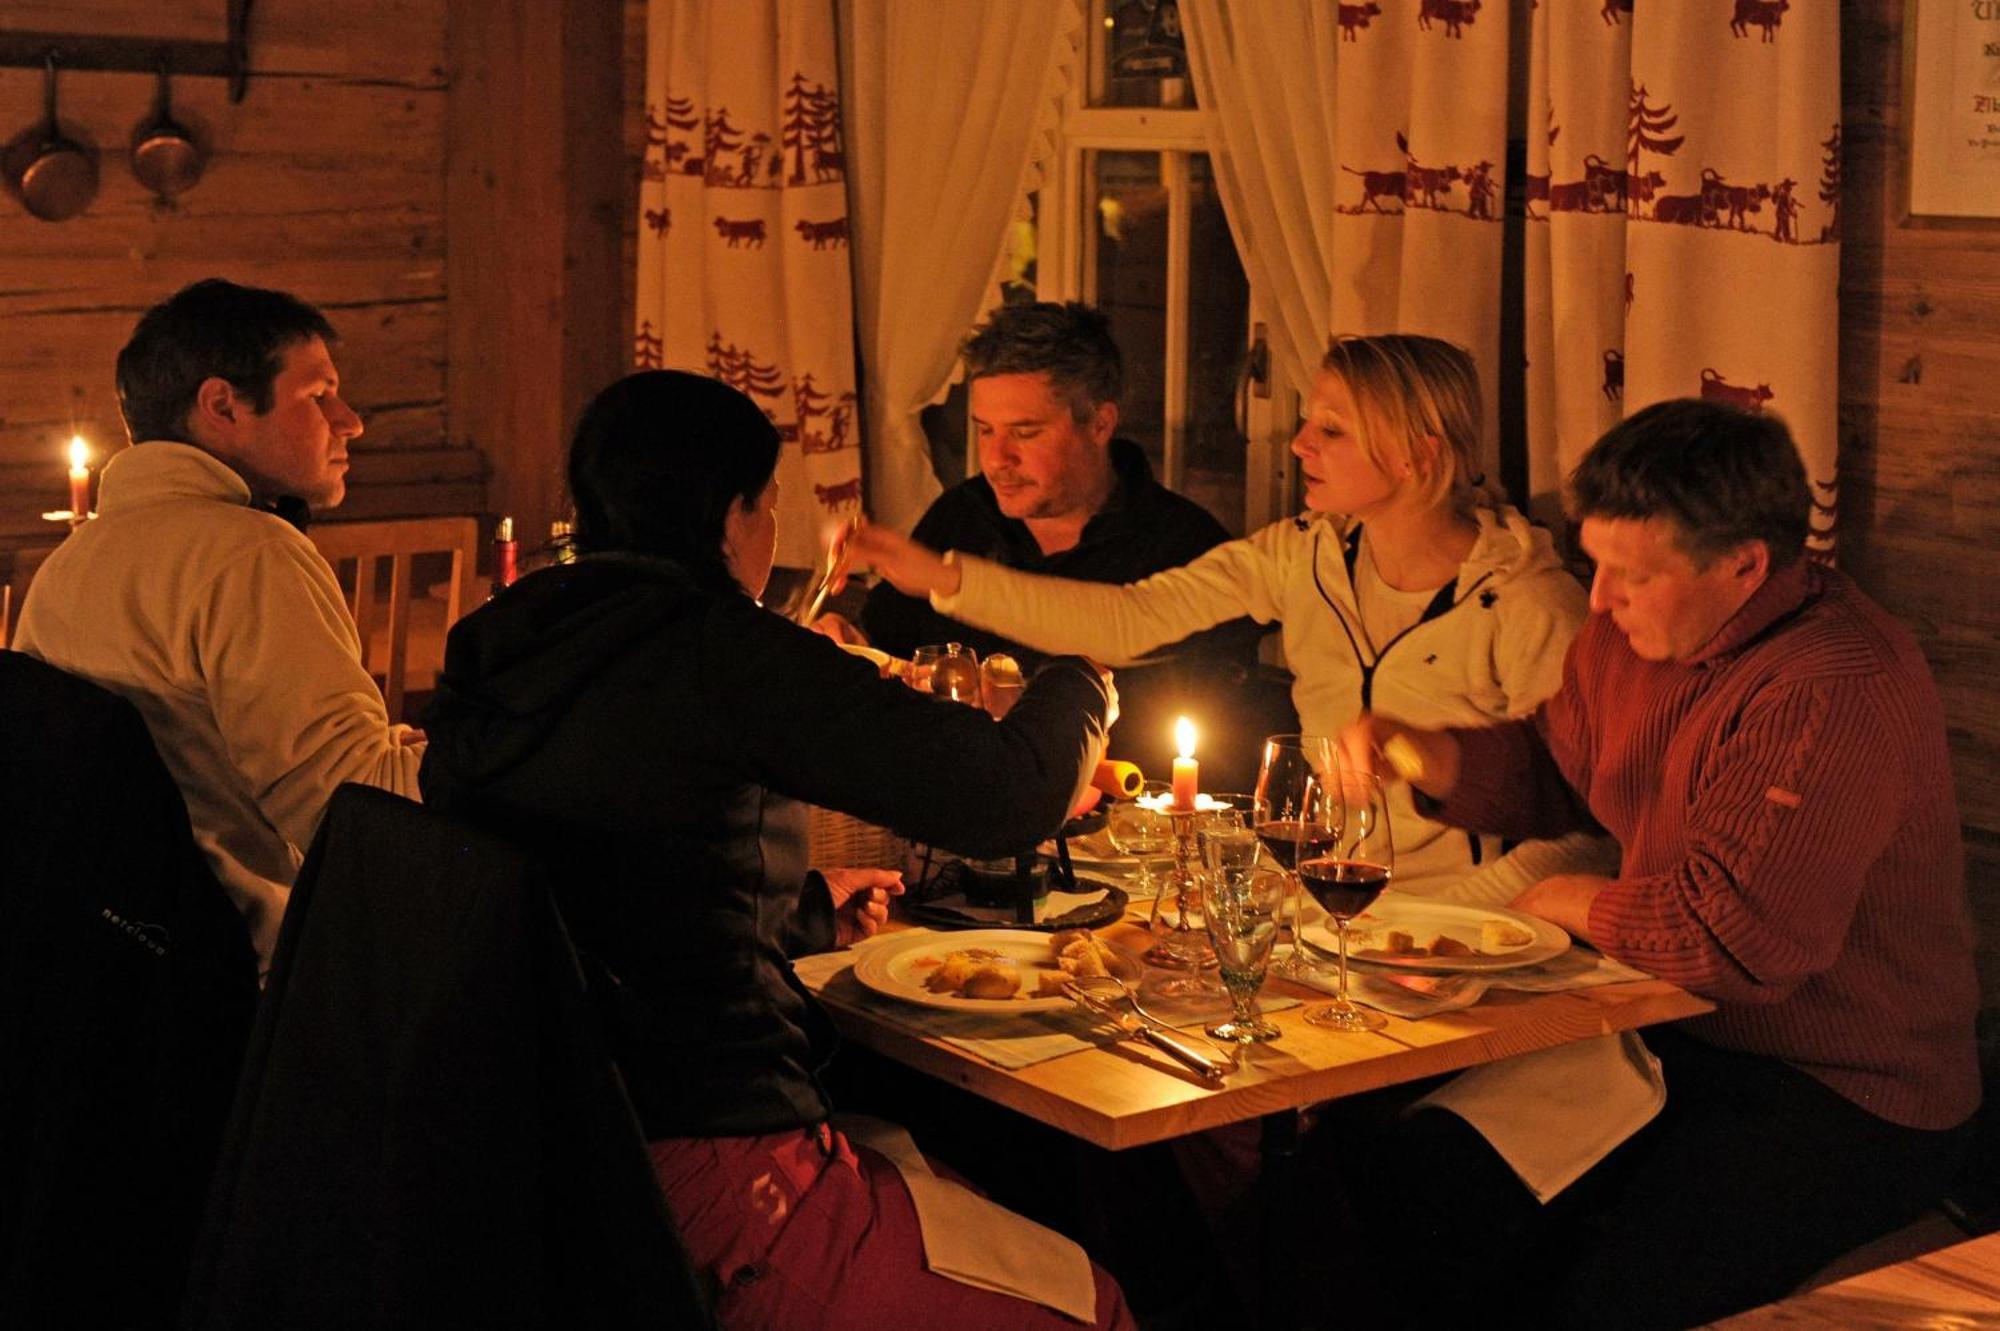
<point>1097,994</point>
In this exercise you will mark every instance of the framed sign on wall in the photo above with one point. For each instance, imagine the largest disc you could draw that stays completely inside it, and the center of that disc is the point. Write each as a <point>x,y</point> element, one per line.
<point>1951,106</point>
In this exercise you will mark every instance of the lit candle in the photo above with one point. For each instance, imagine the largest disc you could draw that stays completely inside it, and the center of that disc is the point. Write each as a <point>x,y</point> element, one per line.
<point>1184,766</point>
<point>79,478</point>
<point>506,555</point>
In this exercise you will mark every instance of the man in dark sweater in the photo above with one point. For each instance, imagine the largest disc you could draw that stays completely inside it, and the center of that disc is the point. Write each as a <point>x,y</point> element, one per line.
<point>1060,493</point>
<point>1768,747</point>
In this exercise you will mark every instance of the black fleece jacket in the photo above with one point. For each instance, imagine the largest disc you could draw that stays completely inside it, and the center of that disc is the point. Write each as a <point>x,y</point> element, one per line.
<point>651,738</point>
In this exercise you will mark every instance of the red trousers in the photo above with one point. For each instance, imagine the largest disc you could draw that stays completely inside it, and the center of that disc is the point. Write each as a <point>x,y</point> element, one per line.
<point>802,1229</point>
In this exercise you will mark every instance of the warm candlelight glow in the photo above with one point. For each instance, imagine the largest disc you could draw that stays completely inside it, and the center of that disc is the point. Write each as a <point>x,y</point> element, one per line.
<point>79,478</point>
<point>1185,770</point>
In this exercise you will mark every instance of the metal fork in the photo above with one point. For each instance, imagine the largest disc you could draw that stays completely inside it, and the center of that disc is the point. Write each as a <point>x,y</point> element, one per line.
<point>1094,992</point>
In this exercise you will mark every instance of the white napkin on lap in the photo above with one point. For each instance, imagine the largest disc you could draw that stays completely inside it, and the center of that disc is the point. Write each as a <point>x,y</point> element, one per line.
<point>1556,1112</point>
<point>977,1242</point>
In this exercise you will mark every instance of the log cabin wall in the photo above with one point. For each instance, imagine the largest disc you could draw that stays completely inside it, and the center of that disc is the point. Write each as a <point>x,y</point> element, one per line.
<point>327,180</point>
<point>1920,428</point>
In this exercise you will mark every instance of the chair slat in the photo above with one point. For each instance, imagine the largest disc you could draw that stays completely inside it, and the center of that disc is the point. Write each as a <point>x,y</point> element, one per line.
<point>400,541</point>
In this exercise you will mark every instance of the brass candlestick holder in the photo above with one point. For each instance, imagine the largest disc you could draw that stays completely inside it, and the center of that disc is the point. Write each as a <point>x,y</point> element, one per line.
<point>1180,936</point>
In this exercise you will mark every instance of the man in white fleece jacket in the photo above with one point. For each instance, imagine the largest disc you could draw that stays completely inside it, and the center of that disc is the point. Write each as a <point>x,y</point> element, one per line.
<point>189,595</point>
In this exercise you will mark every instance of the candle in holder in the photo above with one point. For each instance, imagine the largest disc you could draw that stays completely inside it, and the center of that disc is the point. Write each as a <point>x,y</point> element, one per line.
<point>79,479</point>
<point>1185,770</point>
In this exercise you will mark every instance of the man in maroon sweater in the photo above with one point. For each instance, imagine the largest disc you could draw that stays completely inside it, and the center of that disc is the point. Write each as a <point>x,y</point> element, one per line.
<point>1768,747</point>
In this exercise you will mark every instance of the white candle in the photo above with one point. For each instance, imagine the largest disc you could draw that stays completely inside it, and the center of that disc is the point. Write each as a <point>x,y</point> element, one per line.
<point>1186,772</point>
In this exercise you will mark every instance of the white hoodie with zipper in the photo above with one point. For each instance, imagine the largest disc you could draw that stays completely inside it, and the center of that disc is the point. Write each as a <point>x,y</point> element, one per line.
<point>1488,648</point>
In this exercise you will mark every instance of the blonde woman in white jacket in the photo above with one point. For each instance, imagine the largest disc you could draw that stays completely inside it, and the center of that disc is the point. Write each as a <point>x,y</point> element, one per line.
<point>1402,589</point>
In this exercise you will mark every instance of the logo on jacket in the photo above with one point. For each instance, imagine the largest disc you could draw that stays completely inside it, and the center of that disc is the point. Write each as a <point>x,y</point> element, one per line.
<point>153,937</point>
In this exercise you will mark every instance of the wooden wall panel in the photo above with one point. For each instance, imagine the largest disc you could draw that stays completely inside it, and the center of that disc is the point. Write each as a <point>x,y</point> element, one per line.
<point>327,180</point>
<point>536,198</point>
<point>1920,413</point>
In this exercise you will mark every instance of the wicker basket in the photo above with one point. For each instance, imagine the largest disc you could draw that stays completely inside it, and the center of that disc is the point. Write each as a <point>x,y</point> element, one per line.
<point>836,840</point>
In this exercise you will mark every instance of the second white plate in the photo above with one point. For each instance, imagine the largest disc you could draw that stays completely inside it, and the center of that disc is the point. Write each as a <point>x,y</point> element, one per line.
<point>1424,920</point>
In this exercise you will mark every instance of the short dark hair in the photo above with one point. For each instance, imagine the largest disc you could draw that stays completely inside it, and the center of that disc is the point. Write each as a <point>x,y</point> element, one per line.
<point>1723,474</point>
<point>1069,342</point>
<point>212,329</point>
<point>658,460</point>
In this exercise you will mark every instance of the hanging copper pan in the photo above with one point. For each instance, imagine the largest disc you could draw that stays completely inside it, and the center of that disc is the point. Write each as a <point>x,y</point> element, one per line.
<point>55,175</point>
<point>165,156</point>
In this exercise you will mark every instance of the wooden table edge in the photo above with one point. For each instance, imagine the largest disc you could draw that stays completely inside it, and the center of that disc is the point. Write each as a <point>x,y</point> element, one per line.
<point>1638,1003</point>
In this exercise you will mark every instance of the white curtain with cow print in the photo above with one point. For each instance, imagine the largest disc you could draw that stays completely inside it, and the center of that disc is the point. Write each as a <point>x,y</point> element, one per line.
<point>1682,196</point>
<point>1678,205</point>
<point>743,238</point>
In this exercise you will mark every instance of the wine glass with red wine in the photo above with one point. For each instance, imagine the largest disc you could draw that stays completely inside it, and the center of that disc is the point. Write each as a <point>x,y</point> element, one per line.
<point>1289,766</point>
<point>1349,817</point>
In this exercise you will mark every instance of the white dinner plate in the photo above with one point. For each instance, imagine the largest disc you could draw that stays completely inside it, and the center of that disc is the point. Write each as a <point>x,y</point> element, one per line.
<point>899,966</point>
<point>1094,853</point>
<point>1424,920</point>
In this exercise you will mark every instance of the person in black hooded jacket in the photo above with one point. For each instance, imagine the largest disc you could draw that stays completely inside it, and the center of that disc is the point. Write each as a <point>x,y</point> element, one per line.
<point>644,726</point>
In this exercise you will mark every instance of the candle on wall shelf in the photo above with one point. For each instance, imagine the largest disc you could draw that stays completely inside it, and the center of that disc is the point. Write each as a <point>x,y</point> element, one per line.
<point>79,479</point>
<point>506,556</point>
<point>1185,782</point>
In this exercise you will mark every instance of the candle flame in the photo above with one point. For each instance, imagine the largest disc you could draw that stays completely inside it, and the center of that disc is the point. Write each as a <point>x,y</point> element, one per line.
<point>1184,737</point>
<point>79,453</point>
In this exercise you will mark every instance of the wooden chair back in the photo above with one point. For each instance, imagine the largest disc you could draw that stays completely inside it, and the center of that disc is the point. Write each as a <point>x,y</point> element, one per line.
<point>399,540</point>
<point>17,570</point>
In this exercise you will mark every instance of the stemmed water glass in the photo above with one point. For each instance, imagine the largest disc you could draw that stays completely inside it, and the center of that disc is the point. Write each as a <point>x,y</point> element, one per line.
<point>1289,766</point>
<point>1346,817</point>
<point>1140,828</point>
<point>1240,906</point>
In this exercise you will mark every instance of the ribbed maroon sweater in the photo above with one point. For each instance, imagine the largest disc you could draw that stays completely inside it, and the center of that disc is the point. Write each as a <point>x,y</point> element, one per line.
<point>1792,853</point>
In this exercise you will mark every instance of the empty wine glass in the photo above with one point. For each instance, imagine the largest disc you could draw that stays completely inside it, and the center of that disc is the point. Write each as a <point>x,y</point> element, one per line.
<point>1289,765</point>
<point>1347,817</point>
<point>1240,906</point>
<point>1140,828</point>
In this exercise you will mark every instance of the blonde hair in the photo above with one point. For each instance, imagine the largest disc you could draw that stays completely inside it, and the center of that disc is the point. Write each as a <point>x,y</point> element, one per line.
<point>1406,388</point>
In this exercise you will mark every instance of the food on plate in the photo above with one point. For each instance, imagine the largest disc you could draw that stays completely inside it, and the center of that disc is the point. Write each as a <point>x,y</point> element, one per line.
<point>992,979</point>
<point>1082,954</point>
<point>1500,935</point>
<point>956,968</point>
<point>979,972</point>
<point>1403,943</point>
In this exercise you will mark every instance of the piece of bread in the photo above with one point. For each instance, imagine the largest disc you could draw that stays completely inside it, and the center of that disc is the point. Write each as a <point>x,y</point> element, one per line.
<point>1399,940</point>
<point>993,979</point>
<point>1049,984</point>
<point>1085,954</point>
<point>1083,959</point>
<point>1444,945</point>
<point>1502,935</point>
<point>953,971</point>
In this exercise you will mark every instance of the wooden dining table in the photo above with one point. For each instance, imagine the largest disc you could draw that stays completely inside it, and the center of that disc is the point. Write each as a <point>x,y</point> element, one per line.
<point>1127,1094</point>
